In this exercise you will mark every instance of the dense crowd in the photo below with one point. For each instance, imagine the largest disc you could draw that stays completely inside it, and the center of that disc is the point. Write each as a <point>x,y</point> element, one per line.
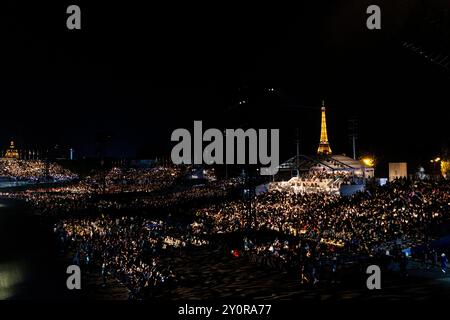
<point>119,180</point>
<point>213,191</point>
<point>403,210</point>
<point>311,234</point>
<point>318,181</point>
<point>318,175</point>
<point>323,231</point>
<point>34,170</point>
<point>153,189</point>
<point>132,249</point>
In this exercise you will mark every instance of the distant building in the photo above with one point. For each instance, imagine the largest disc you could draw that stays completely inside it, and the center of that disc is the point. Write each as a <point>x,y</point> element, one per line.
<point>12,152</point>
<point>326,163</point>
<point>397,170</point>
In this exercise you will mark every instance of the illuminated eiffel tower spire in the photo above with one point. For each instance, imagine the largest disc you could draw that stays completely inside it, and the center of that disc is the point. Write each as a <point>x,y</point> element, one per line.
<point>324,146</point>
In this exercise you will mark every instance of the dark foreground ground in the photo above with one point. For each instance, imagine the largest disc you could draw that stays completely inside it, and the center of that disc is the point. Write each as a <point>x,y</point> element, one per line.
<point>211,274</point>
<point>31,268</point>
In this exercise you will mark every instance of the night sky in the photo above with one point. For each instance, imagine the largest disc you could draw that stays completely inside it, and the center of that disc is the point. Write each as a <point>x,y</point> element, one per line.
<point>137,73</point>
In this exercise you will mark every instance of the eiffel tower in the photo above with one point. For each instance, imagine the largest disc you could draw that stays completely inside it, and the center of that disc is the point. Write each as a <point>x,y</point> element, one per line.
<point>324,146</point>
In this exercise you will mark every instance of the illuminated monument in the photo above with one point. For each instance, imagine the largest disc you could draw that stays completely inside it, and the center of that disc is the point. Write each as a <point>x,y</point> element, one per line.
<point>324,161</point>
<point>12,152</point>
<point>324,146</point>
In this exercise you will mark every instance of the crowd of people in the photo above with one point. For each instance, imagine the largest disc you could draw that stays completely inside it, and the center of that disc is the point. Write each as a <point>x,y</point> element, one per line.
<point>318,181</point>
<point>131,190</point>
<point>119,180</point>
<point>404,214</point>
<point>34,170</point>
<point>403,209</point>
<point>311,234</point>
<point>133,249</point>
<point>212,191</point>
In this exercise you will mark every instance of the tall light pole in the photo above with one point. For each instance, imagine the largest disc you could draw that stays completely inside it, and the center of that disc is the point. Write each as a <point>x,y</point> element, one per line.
<point>226,166</point>
<point>298,152</point>
<point>353,133</point>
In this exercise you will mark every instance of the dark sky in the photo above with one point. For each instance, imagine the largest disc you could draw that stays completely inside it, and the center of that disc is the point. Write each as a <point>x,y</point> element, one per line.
<point>139,72</point>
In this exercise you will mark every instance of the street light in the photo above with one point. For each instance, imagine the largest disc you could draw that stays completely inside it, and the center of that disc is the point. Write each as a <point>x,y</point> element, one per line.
<point>369,162</point>
<point>436,161</point>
